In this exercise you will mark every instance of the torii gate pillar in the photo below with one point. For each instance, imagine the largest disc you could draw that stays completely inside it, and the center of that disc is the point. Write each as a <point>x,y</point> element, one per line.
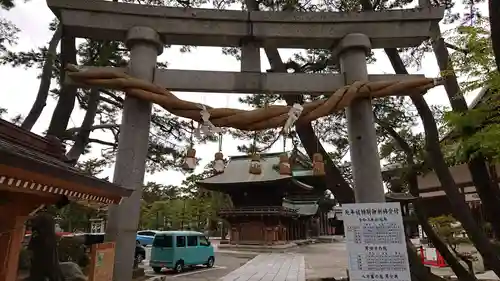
<point>368,185</point>
<point>145,45</point>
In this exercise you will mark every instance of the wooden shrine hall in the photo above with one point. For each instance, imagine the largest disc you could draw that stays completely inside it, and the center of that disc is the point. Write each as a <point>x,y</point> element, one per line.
<point>271,208</point>
<point>33,174</point>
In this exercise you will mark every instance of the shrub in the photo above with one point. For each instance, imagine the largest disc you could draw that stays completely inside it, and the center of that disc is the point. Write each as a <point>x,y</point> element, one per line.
<point>72,249</point>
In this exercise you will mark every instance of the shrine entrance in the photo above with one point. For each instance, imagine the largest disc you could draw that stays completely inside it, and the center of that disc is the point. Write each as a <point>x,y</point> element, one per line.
<point>142,28</point>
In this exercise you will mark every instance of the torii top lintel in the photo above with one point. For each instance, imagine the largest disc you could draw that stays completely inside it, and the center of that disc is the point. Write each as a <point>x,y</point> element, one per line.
<point>107,20</point>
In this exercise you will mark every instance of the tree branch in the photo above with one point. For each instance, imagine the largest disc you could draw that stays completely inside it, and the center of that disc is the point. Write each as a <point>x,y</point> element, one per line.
<point>111,102</point>
<point>456,48</point>
<point>83,134</point>
<point>67,95</point>
<point>112,96</point>
<point>75,130</point>
<point>107,143</point>
<point>45,80</point>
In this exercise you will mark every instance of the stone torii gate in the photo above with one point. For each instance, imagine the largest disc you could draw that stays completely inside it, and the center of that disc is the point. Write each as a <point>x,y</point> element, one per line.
<point>145,29</point>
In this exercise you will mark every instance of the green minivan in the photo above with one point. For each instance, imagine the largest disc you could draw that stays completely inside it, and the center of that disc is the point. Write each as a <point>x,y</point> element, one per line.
<point>179,249</point>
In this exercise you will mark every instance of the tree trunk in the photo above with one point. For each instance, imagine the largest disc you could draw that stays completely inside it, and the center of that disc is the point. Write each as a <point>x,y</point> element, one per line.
<point>411,179</point>
<point>435,157</point>
<point>494,14</point>
<point>334,179</point>
<point>43,244</point>
<point>82,137</point>
<point>45,79</point>
<point>67,95</point>
<point>488,192</point>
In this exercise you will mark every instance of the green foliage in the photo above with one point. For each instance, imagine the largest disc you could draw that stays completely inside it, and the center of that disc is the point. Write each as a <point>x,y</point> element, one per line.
<point>477,130</point>
<point>449,229</point>
<point>8,34</point>
<point>181,207</point>
<point>453,234</point>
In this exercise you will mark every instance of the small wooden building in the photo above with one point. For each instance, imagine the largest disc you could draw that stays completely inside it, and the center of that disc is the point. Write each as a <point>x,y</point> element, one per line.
<point>33,173</point>
<point>434,198</point>
<point>270,208</point>
<point>430,188</point>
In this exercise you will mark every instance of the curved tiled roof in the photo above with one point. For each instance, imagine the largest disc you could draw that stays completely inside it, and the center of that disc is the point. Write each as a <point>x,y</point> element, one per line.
<point>34,163</point>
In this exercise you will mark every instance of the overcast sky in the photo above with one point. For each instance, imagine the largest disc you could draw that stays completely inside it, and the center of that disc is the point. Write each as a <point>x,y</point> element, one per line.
<point>19,86</point>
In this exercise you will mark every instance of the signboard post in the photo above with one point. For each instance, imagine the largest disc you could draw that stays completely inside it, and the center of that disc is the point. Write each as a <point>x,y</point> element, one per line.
<point>376,242</point>
<point>102,258</point>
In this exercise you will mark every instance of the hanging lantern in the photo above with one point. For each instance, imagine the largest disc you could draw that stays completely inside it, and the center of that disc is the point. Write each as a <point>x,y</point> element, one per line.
<point>219,165</point>
<point>190,160</point>
<point>255,167</point>
<point>284,165</point>
<point>318,165</point>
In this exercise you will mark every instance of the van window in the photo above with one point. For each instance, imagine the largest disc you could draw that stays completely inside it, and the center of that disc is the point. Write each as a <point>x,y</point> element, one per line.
<point>181,241</point>
<point>163,241</point>
<point>192,241</point>
<point>204,241</point>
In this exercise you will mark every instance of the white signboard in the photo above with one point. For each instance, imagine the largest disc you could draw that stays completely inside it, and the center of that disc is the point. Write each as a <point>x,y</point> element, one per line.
<point>376,242</point>
<point>472,197</point>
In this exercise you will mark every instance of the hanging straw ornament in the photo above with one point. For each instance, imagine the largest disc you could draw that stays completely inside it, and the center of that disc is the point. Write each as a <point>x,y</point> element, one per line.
<point>219,165</point>
<point>190,159</point>
<point>255,165</point>
<point>318,165</point>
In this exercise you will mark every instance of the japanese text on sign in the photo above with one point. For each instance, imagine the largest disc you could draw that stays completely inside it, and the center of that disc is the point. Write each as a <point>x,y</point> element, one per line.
<point>376,242</point>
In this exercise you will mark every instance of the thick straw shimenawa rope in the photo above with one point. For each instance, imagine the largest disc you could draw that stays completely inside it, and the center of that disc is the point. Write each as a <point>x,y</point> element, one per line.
<point>273,116</point>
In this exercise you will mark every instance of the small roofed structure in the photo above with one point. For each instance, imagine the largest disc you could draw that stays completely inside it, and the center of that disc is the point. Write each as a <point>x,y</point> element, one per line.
<point>271,207</point>
<point>430,186</point>
<point>33,173</point>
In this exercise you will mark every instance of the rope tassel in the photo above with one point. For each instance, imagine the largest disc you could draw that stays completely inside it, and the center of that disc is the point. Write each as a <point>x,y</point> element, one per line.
<point>219,165</point>
<point>284,166</point>
<point>190,160</point>
<point>318,165</point>
<point>255,165</point>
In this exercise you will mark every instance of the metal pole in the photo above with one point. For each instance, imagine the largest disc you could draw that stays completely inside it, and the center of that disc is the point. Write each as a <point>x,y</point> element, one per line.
<point>145,45</point>
<point>368,186</point>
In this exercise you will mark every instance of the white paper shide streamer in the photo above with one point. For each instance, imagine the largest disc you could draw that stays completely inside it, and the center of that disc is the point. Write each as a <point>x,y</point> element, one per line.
<point>206,127</point>
<point>293,116</point>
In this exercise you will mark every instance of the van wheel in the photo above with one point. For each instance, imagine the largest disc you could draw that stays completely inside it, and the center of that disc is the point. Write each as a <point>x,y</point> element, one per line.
<point>179,267</point>
<point>210,262</point>
<point>157,269</point>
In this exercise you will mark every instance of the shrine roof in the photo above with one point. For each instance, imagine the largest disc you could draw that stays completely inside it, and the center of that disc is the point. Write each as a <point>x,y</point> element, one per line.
<point>34,164</point>
<point>237,170</point>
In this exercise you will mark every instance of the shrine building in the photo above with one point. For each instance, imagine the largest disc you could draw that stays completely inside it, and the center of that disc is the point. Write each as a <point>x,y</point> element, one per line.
<point>34,174</point>
<point>272,208</point>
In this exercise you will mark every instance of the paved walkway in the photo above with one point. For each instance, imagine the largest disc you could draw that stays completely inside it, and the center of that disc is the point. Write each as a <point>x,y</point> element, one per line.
<point>271,267</point>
